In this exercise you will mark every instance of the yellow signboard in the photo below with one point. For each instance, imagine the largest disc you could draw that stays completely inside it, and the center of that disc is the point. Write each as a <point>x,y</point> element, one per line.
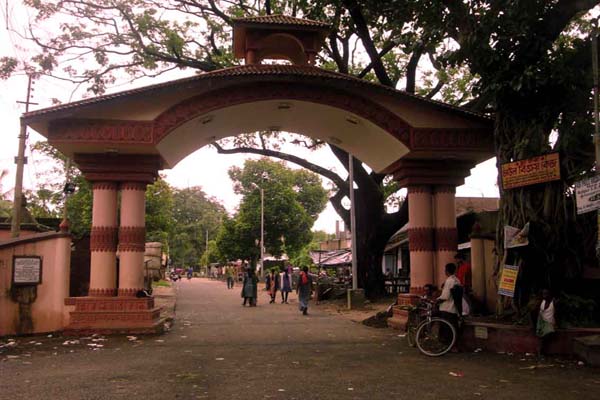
<point>508,280</point>
<point>534,170</point>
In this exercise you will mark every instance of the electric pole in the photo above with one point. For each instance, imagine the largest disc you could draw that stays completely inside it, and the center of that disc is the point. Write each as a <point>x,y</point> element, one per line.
<point>20,160</point>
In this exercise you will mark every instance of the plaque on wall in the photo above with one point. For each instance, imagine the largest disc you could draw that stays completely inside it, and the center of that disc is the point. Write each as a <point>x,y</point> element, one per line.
<point>27,270</point>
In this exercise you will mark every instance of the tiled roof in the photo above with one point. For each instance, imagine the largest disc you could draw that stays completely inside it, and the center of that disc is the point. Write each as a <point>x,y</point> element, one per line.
<point>252,70</point>
<point>283,20</point>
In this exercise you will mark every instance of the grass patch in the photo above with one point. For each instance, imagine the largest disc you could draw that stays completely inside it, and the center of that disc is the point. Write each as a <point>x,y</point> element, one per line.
<point>161,283</point>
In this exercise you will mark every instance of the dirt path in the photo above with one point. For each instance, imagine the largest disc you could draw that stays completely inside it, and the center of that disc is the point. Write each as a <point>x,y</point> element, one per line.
<point>218,349</point>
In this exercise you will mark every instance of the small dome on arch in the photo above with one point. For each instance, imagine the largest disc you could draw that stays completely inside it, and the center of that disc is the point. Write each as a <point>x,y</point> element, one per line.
<point>278,37</point>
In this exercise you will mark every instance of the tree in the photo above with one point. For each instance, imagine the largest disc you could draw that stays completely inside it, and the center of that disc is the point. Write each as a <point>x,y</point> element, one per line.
<point>532,60</point>
<point>159,212</point>
<point>513,58</point>
<point>292,201</point>
<point>194,216</point>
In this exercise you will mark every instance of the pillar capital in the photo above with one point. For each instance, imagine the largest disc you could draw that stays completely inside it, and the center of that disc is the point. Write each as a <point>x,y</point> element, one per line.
<point>107,168</point>
<point>422,172</point>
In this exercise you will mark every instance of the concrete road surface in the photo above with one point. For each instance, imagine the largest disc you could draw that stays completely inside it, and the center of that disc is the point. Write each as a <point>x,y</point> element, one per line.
<point>218,349</point>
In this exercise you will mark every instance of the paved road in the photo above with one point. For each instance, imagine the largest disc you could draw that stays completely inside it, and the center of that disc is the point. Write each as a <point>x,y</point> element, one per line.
<point>220,350</point>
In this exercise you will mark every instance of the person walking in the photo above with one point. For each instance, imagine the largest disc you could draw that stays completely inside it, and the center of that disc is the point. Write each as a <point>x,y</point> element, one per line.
<point>304,289</point>
<point>285,284</point>
<point>275,285</point>
<point>249,288</point>
<point>229,271</point>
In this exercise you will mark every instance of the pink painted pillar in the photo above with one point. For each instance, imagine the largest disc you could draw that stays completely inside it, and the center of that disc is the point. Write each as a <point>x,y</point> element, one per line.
<point>446,234</point>
<point>420,237</point>
<point>132,237</point>
<point>103,240</point>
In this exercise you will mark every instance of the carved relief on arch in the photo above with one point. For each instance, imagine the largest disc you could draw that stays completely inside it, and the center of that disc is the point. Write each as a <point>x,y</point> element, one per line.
<point>101,130</point>
<point>199,105</point>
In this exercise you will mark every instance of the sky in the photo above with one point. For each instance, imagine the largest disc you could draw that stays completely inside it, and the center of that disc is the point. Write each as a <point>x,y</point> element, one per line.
<point>216,183</point>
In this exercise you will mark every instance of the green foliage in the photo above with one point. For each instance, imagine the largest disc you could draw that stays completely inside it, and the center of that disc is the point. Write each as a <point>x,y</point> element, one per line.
<point>212,255</point>
<point>194,214</point>
<point>159,212</point>
<point>292,201</point>
<point>576,311</point>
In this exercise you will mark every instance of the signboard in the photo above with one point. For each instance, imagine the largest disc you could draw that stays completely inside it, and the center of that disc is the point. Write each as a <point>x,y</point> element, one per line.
<point>481,332</point>
<point>508,280</point>
<point>534,170</point>
<point>27,270</point>
<point>587,193</point>
<point>515,237</point>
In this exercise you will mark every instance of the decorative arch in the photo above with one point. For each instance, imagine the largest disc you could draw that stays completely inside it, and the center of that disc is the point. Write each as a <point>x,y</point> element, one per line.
<point>197,106</point>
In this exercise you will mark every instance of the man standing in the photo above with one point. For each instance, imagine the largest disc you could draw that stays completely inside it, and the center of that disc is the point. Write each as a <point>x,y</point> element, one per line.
<point>229,272</point>
<point>304,289</point>
<point>463,271</point>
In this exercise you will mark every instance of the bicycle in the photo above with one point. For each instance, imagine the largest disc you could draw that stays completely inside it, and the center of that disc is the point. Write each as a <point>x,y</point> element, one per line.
<point>433,336</point>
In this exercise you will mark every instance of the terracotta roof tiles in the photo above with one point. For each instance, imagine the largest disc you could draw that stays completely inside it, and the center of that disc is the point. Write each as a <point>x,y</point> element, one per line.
<point>282,20</point>
<point>252,70</point>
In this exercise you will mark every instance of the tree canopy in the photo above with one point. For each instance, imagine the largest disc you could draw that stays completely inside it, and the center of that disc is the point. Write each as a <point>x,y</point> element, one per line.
<point>293,199</point>
<point>525,61</point>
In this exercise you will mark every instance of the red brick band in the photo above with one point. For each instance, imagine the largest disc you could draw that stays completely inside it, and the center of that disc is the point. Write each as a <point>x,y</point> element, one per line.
<point>132,238</point>
<point>446,239</point>
<point>102,292</point>
<point>103,239</point>
<point>129,292</point>
<point>419,189</point>
<point>104,186</point>
<point>444,189</point>
<point>421,239</point>
<point>140,186</point>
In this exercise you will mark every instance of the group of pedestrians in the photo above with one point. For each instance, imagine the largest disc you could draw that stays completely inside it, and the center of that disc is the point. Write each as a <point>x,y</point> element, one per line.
<point>281,282</point>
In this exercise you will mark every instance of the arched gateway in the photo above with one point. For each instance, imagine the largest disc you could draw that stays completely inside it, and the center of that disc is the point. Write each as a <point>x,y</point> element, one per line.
<point>121,141</point>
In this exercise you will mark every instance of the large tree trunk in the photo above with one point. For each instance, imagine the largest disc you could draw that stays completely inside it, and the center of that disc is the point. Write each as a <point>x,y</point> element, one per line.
<point>557,237</point>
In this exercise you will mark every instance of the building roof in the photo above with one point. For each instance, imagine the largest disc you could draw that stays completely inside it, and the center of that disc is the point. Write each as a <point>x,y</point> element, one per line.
<point>281,21</point>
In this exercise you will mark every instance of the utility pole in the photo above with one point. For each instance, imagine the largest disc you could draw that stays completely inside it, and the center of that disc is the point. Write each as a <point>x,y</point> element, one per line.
<point>353,222</point>
<point>596,119</point>
<point>20,160</point>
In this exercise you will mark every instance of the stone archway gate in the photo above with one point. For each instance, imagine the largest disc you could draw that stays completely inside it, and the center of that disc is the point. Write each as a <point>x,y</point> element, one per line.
<point>121,141</point>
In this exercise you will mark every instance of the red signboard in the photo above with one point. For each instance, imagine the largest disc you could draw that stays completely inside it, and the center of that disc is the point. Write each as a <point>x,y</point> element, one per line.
<point>534,170</point>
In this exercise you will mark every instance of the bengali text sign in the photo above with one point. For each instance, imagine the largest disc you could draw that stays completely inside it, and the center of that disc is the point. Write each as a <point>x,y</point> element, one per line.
<point>534,170</point>
<point>587,192</point>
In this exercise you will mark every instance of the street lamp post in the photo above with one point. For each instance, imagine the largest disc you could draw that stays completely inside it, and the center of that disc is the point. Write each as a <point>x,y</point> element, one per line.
<point>262,229</point>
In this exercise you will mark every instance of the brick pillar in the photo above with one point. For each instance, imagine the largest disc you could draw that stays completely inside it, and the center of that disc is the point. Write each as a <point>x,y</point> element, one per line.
<point>132,239</point>
<point>103,240</point>
<point>446,234</point>
<point>420,237</point>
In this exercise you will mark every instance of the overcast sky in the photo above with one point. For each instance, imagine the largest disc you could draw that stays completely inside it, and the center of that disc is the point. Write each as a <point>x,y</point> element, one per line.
<point>203,168</point>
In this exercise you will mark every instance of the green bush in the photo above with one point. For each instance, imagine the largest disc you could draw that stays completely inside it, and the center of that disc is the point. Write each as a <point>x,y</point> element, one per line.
<point>575,311</point>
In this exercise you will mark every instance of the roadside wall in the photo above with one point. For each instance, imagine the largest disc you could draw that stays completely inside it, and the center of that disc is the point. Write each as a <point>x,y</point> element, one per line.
<point>47,313</point>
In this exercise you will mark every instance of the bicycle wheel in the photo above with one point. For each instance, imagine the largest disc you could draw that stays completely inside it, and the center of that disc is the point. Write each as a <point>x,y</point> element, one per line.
<point>435,337</point>
<point>411,328</point>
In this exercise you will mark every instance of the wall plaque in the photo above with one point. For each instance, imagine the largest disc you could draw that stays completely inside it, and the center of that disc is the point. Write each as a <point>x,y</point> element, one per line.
<point>27,270</point>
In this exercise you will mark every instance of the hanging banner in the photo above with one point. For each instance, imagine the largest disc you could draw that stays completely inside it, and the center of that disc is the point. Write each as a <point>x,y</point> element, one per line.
<point>508,280</point>
<point>515,237</point>
<point>530,171</point>
<point>587,193</point>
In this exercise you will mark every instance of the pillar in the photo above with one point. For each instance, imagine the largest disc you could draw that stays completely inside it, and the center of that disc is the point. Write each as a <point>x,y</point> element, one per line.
<point>420,237</point>
<point>446,234</point>
<point>132,237</point>
<point>478,268</point>
<point>103,240</point>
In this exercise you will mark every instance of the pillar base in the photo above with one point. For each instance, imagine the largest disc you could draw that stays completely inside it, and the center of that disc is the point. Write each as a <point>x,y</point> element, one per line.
<point>111,315</point>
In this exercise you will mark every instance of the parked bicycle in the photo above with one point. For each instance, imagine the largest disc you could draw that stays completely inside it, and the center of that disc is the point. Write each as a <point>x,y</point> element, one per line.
<point>433,336</point>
